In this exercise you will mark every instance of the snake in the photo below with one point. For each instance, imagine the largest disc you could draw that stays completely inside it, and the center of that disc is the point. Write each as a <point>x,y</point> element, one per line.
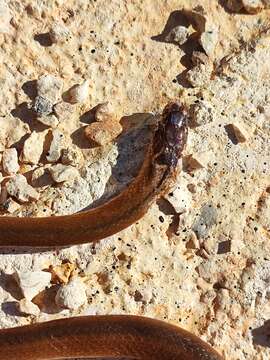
<point>103,337</point>
<point>109,336</point>
<point>154,178</point>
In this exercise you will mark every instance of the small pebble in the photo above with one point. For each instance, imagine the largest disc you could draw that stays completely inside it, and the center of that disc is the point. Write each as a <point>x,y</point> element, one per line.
<point>179,34</point>
<point>72,295</point>
<point>61,173</point>
<point>104,112</point>
<point>200,75</point>
<point>209,40</point>
<point>63,111</point>
<point>32,282</point>
<point>26,307</point>
<point>50,88</point>
<point>59,33</point>
<point>50,120</point>
<point>103,133</point>
<point>42,106</point>
<point>18,187</point>
<point>79,93</point>
<point>56,146</point>
<point>10,161</point>
<point>12,130</point>
<point>33,148</point>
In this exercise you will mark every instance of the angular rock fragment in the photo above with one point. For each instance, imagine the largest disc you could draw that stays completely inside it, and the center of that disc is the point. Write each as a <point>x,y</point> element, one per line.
<point>253,6</point>
<point>33,148</point>
<point>104,112</point>
<point>61,173</point>
<point>26,307</point>
<point>209,40</point>
<point>63,110</point>
<point>72,295</point>
<point>237,132</point>
<point>78,93</point>
<point>10,161</point>
<point>32,282</point>
<point>50,120</point>
<point>103,133</point>
<point>179,34</point>
<point>56,146</point>
<point>18,187</point>
<point>12,130</point>
<point>42,106</point>
<point>62,273</point>
<point>50,88</point>
<point>59,33</point>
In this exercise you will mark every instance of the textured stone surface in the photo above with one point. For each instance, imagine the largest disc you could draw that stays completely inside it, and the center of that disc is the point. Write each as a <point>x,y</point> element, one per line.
<point>210,277</point>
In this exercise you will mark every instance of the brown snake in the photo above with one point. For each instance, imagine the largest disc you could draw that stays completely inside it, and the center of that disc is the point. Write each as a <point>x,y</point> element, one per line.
<point>128,337</point>
<point>153,179</point>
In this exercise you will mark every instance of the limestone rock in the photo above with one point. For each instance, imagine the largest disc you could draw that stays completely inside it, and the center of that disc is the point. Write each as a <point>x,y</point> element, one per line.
<point>50,120</point>
<point>33,147</point>
<point>179,34</point>
<point>59,33</point>
<point>56,146</point>
<point>61,173</point>
<point>42,106</point>
<point>18,187</point>
<point>104,112</point>
<point>103,133</point>
<point>72,295</point>
<point>26,307</point>
<point>209,40</point>
<point>10,161</point>
<point>79,93</point>
<point>63,111</point>
<point>32,282</point>
<point>12,130</point>
<point>50,87</point>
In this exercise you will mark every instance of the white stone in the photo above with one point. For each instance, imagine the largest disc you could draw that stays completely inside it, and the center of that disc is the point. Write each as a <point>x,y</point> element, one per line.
<point>179,34</point>
<point>63,111</point>
<point>50,120</point>
<point>33,147</point>
<point>104,112</point>
<point>200,75</point>
<point>50,87</point>
<point>72,295</point>
<point>26,307</point>
<point>5,17</point>
<point>59,33</point>
<point>11,131</point>
<point>32,282</point>
<point>10,161</point>
<point>18,187</point>
<point>209,40</point>
<point>61,173</point>
<point>56,146</point>
<point>79,93</point>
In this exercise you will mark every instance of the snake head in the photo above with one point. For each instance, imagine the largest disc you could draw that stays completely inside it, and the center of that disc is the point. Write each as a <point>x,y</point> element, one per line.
<point>171,135</point>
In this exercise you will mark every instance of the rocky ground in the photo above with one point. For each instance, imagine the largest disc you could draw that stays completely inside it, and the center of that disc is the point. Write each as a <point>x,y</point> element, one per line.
<point>200,257</point>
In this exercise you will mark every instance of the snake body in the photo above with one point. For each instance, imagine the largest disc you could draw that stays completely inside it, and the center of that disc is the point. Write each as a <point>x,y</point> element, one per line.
<point>153,179</point>
<point>128,337</point>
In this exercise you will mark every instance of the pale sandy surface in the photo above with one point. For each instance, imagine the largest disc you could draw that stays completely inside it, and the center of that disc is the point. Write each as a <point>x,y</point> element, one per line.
<point>215,283</point>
